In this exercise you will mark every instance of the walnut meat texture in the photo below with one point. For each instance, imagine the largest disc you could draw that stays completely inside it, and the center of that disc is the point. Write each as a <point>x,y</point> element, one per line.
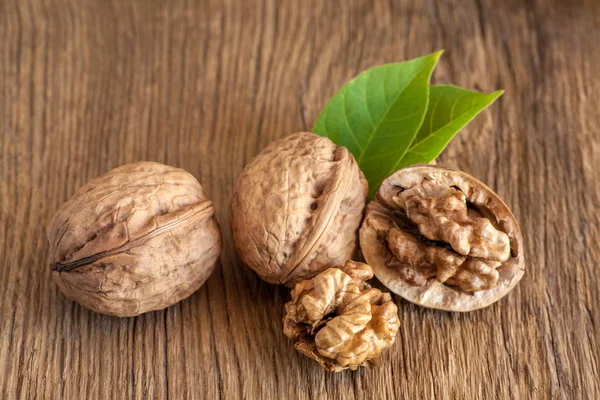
<point>297,207</point>
<point>337,319</point>
<point>442,239</point>
<point>140,238</point>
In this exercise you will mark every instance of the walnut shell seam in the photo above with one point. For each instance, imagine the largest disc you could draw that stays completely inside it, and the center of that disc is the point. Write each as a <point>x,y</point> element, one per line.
<point>204,207</point>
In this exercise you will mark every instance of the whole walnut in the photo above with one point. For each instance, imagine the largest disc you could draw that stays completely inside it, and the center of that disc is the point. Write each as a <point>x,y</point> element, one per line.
<point>139,238</point>
<point>442,239</point>
<point>337,319</point>
<point>297,207</point>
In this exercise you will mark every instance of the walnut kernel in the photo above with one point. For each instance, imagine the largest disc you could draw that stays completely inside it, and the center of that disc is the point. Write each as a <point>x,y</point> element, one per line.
<point>337,319</point>
<point>442,239</point>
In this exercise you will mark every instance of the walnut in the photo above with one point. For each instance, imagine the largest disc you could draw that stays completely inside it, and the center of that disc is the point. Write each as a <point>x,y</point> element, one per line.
<point>442,239</point>
<point>297,207</point>
<point>337,319</point>
<point>139,238</point>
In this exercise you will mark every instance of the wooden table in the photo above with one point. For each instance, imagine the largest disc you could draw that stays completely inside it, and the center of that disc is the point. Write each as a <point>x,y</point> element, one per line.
<point>205,85</point>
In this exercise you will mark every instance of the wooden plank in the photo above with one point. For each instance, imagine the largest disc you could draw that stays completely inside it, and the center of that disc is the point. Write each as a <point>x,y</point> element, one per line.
<point>205,85</point>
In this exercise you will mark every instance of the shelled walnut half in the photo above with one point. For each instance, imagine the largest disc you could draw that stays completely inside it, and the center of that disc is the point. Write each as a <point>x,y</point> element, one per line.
<point>337,319</point>
<point>442,239</point>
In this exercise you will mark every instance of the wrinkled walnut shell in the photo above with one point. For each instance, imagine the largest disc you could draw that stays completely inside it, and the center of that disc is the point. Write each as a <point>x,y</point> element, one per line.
<point>297,207</point>
<point>337,319</point>
<point>442,239</point>
<point>139,238</point>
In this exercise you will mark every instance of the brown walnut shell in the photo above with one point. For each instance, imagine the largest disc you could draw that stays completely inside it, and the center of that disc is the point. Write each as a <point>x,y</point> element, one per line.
<point>442,239</point>
<point>297,207</point>
<point>139,238</point>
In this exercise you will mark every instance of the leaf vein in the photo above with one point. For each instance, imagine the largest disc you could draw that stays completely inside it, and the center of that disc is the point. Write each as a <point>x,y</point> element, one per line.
<point>412,78</point>
<point>352,134</point>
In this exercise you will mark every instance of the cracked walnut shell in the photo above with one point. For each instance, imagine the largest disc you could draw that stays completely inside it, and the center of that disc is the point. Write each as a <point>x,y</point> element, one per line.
<point>442,239</point>
<point>337,319</point>
<point>297,207</point>
<point>139,238</point>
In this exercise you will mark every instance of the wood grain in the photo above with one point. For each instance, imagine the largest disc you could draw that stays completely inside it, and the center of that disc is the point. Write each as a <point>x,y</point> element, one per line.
<point>204,85</point>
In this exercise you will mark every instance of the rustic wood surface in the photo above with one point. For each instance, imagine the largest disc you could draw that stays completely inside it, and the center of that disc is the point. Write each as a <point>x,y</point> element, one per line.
<point>205,85</point>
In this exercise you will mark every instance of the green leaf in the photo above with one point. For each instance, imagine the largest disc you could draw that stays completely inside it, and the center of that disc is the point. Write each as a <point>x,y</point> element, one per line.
<point>450,109</point>
<point>378,114</point>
